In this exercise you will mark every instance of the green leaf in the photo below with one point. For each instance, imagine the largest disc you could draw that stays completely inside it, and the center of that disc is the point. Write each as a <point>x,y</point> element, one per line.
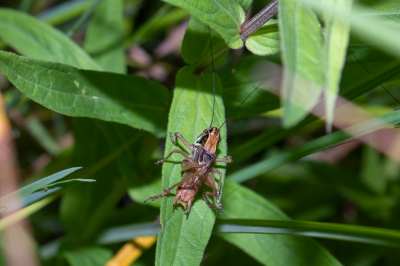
<point>336,41</point>
<point>362,234</point>
<point>184,237</point>
<point>272,250</point>
<point>224,16</point>
<point>104,37</point>
<point>40,184</point>
<point>126,99</point>
<point>322,143</point>
<point>301,45</point>
<point>266,40</point>
<point>18,29</point>
<point>88,256</point>
<point>196,48</point>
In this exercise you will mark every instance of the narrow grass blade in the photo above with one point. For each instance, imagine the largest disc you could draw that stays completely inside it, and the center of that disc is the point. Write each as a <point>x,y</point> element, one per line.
<point>361,234</point>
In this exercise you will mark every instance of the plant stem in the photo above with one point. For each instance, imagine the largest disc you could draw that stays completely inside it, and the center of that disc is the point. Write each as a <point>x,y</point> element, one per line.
<point>258,20</point>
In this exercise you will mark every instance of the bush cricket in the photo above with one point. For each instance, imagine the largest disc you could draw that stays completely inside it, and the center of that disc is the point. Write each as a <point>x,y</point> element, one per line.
<point>198,166</point>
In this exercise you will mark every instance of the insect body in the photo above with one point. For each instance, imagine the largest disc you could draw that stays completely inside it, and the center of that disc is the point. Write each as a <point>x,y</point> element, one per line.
<point>198,169</point>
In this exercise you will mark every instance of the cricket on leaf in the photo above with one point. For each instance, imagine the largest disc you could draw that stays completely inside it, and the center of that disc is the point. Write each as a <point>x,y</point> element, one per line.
<point>198,166</point>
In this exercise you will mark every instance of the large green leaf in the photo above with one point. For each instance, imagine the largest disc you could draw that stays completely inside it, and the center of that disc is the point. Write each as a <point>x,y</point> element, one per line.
<point>184,237</point>
<point>301,45</point>
<point>336,40</point>
<point>271,250</point>
<point>104,37</point>
<point>224,16</point>
<point>18,30</point>
<point>126,99</point>
<point>327,141</point>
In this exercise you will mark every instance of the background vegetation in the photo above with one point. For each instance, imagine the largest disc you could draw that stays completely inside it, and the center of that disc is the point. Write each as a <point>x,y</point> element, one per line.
<point>98,84</point>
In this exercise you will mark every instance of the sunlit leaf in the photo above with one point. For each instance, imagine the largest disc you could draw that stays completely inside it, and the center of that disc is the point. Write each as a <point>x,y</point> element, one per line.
<point>126,99</point>
<point>184,237</point>
<point>224,16</point>
<point>265,41</point>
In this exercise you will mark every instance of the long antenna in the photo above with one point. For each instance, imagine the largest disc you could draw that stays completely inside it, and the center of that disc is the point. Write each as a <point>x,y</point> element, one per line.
<point>383,87</point>
<point>212,65</point>
<point>243,102</point>
<point>359,138</point>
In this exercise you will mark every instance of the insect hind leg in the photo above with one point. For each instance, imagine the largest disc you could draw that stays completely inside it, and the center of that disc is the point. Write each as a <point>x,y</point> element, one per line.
<point>204,192</point>
<point>166,192</point>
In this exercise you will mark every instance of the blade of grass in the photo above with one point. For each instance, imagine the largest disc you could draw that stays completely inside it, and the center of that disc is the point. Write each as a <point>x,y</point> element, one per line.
<point>322,143</point>
<point>26,190</point>
<point>355,233</point>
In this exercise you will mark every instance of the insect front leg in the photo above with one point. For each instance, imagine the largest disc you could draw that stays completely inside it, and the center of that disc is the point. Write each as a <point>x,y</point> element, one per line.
<point>184,154</point>
<point>227,159</point>
<point>184,141</point>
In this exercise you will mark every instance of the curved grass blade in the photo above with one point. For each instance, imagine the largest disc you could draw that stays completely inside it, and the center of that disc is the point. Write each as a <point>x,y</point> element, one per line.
<point>125,99</point>
<point>40,184</point>
<point>18,29</point>
<point>355,233</point>
<point>322,143</point>
<point>44,192</point>
<point>184,237</point>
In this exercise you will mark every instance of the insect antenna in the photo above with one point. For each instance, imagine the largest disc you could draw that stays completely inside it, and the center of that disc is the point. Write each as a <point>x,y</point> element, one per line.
<point>383,87</point>
<point>242,102</point>
<point>213,74</point>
